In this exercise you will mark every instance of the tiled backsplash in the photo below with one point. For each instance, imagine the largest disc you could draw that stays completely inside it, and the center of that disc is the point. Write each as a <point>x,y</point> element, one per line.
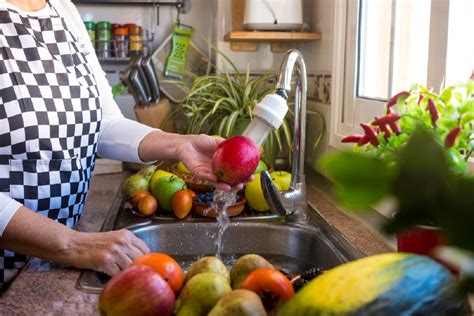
<point>322,88</point>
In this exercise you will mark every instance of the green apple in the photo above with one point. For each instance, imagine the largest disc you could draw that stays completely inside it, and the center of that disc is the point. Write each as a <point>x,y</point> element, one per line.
<point>282,179</point>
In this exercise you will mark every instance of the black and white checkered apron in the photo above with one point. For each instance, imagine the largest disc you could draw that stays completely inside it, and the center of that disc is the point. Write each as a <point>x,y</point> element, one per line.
<point>49,121</point>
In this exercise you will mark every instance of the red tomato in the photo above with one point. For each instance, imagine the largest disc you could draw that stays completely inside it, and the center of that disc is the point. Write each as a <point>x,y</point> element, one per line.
<point>166,266</point>
<point>147,205</point>
<point>193,194</point>
<point>182,203</point>
<point>269,280</point>
<point>136,197</point>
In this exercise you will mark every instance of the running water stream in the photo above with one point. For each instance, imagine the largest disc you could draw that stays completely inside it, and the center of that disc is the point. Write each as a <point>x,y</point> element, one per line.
<point>222,200</point>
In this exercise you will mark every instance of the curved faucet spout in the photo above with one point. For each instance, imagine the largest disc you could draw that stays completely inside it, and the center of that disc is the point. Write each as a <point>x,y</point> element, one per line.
<point>294,198</point>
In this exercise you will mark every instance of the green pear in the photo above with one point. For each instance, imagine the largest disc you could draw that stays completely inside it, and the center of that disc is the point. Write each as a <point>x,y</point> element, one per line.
<point>133,183</point>
<point>239,303</point>
<point>147,171</point>
<point>244,265</point>
<point>201,293</point>
<point>207,264</point>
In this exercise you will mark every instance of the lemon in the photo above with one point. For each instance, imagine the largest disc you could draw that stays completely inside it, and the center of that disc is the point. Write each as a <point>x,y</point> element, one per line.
<point>254,194</point>
<point>157,175</point>
<point>181,167</point>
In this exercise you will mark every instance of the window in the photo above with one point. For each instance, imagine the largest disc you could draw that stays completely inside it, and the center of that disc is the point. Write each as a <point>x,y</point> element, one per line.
<point>384,46</point>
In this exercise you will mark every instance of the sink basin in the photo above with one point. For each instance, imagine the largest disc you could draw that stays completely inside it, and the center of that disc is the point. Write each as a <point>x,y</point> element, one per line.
<point>291,246</point>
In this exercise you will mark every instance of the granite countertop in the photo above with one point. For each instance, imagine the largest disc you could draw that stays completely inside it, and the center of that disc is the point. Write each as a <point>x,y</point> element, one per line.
<point>52,291</point>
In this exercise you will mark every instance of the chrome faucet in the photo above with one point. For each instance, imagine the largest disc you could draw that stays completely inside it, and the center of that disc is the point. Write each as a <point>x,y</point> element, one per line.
<point>294,199</point>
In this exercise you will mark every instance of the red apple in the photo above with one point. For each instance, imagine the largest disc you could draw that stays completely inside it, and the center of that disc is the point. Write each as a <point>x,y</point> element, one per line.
<point>235,160</point>
<point>137,290</point>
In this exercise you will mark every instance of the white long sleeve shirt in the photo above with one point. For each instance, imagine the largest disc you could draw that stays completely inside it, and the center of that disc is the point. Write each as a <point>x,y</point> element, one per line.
<point>119,137</point>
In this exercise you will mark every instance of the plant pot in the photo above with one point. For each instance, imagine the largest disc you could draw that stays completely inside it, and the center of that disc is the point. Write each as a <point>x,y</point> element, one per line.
<point>203,209</point>
<point>192,182</point>
<point>420,240</point>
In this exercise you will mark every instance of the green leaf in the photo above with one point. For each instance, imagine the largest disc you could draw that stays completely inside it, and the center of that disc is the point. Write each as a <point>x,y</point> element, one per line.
<point>458,213</point>
<point>231,119</point>
<point>360,180</point>
<point>423,172</point>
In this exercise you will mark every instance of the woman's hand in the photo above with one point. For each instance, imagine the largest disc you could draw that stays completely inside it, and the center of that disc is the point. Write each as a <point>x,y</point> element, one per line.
<point>195,151</point>
<point>196,154</point>
<point>108,252</point>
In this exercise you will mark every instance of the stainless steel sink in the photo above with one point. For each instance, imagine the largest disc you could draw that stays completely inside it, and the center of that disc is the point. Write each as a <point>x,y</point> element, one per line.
<point>292,245</point>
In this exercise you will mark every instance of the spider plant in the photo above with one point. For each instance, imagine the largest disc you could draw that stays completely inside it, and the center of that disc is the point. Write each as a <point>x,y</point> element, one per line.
<point>222,103</point>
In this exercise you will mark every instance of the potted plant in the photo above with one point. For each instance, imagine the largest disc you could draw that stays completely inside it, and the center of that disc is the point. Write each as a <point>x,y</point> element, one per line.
<point>449,116</point>
<point>422,182</point>
<point>222,103</point>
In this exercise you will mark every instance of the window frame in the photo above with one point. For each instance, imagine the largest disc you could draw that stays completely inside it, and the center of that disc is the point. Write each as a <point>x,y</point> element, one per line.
<point>346,109</point>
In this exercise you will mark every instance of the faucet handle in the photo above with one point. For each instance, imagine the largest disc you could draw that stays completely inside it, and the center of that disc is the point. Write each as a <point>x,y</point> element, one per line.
<point>272,194</point>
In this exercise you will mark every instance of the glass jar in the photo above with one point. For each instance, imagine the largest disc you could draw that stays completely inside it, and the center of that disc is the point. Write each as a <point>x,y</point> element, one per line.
<point>90,27</point>
<point>121,42</point>
<point>103,39</point>
<point>112,44</point>
<point>136,39</point>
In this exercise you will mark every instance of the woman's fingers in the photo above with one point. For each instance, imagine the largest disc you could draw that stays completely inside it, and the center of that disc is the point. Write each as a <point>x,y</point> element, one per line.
<point>111,269</point>
<point>238,187</point>
<point>124,258</point>
<point>108,252</point>
<point>221,186</point>
<point>140,245</point>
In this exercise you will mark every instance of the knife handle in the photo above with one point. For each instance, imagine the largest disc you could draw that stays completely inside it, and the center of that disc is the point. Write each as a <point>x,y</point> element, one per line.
<point>137,64</point>
<point>138,86</point>
<point>149,69</point>
<point>125,79</point>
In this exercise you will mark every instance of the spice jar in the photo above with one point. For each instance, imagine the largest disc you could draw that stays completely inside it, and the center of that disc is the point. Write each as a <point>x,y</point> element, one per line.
<point>121,42</point>
<point>112,44</point>
<point>136,39</point>
<point>90,27</point>
<point>104,37</point>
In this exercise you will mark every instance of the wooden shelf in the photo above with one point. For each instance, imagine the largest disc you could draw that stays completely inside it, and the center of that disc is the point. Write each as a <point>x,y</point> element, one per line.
<point>248,41</point>
<point>254,36</point>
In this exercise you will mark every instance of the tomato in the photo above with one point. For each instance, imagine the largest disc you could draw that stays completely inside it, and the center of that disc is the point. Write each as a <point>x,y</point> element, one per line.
<point>165,266</point>
<point>136,196</point>
<point>147,205</point>
<point>269,280</point>
<point>193,194</point>
<point>182,203</point>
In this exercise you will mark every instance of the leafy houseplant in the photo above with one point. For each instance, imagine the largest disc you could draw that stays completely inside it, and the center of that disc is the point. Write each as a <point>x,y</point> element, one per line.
<point>222,103</point>
<point>421,180</point>
<point>449,115</point>
<point>418,155</point>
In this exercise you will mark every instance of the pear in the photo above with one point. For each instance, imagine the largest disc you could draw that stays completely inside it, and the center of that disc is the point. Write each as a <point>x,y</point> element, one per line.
<point>239,303</point>
<point>147,171</point>
<point>201,293</point>
<point>244,265</point>
<point>207,264</point>
<point>133,183</point>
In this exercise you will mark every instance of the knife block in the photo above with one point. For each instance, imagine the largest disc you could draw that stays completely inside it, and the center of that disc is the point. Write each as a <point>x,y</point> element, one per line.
<point>154,115</point>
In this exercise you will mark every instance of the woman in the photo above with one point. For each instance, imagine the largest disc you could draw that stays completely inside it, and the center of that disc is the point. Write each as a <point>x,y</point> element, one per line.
<point>56,113</point>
